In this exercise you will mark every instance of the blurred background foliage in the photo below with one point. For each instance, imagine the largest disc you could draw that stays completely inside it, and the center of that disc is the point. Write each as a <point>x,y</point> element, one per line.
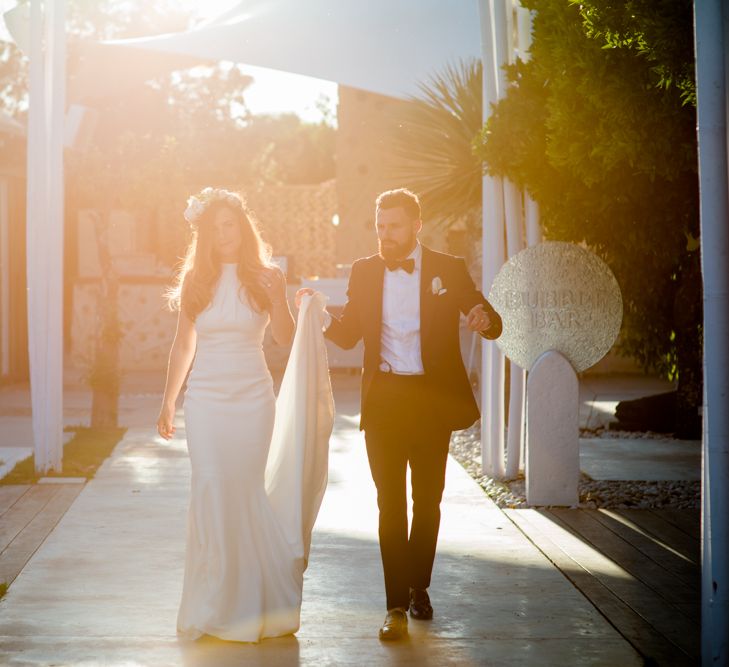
<point>173,135</point>
<point>599,127</point>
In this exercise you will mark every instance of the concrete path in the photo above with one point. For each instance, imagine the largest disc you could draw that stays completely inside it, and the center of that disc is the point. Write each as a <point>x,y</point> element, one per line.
<point>650,458</point>
<point>104,587</point>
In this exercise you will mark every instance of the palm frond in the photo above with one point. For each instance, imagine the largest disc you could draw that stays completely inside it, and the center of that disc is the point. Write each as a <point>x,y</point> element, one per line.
<point>432,150</point>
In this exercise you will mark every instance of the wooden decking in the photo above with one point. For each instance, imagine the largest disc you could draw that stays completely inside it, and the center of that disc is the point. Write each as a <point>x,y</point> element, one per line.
<point>639,568</point>
<point>28,513</point>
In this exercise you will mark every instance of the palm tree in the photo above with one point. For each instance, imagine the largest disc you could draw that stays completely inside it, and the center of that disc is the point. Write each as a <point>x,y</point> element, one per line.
<point>432,149</point>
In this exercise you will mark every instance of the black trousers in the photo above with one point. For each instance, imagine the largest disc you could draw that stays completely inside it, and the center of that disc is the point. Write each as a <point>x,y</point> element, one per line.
<point>401,431</point>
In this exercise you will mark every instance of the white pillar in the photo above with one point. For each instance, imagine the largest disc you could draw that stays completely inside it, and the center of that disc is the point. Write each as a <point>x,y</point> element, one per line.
<point>493,251</point>
<point>712,33</point>
<point>498,48</point>
<point>45,229</point>
<point>523,32</point>
<point>517,376</point>
<point>4,279</point>
<point>531,215</point>
<point>493,362</point>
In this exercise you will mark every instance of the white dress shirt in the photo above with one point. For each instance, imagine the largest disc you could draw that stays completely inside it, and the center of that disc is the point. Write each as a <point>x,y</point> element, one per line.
<point>400,343</point>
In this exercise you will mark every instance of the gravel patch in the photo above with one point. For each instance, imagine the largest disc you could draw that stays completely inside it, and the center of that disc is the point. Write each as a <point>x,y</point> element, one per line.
<point>466,449</point>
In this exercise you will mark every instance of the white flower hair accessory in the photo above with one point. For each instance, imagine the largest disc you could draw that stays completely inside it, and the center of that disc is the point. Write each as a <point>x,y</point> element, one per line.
<point>437,286</point>
<point>197,204</point>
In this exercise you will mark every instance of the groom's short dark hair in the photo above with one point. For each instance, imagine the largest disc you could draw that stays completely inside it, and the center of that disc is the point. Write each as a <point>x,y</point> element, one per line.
<point>400,197</point>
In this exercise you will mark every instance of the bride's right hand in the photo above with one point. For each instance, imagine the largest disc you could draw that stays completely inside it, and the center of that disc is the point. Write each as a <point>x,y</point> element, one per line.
<point>165,422</point>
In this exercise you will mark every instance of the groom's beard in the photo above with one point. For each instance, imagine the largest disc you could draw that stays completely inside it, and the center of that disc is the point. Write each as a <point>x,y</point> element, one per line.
<point>392,250</point>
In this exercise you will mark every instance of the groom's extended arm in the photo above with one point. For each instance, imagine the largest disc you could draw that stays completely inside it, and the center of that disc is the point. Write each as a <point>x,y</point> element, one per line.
<point>346,330</point>
<point>469,296</point>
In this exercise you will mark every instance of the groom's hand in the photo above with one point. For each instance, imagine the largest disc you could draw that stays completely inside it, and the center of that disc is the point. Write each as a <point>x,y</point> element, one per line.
<point>478,319</point>
<point>300,294</point>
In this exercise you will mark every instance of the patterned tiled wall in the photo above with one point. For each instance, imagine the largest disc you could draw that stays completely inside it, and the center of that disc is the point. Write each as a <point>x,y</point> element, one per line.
<point>148,326</point>
<point>297,221</point>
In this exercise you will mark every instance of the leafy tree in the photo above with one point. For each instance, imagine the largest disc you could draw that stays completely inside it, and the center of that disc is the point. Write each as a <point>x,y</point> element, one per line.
<point>13,81</point>
<point>290,151</point>
<point>188,129</point>
<point>89,19</point>
<point>599,127</point>
<point>119,19</point>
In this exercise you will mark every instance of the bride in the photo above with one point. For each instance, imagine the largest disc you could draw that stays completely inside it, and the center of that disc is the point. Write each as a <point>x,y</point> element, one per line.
<point>257,482</point>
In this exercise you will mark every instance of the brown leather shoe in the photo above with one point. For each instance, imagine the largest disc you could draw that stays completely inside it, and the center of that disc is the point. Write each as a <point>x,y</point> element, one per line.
<point>395,626</point>
<point>420,608</point>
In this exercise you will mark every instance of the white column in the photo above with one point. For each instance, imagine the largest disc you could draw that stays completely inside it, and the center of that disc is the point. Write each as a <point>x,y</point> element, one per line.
<point>493,246</point>
<point>4,280</point>
<point>517,375</point>
<point>493,362</point>
<point>500,218</point>
<point>712,33</point>
<point>45,229</point>
<point>531,215</point>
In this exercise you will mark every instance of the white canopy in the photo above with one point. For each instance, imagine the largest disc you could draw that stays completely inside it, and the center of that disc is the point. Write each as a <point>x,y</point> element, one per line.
<point>381,46</point>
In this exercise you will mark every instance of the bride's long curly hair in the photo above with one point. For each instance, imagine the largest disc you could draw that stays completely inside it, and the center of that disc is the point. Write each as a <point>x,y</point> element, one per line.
<point>201,268</point>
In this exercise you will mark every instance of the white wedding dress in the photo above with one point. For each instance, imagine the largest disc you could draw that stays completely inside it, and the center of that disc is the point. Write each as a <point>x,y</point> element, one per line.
<point>257,482</point>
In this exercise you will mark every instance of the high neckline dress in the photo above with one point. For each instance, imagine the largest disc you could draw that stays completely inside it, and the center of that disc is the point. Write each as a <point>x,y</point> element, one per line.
<point>246,545</point>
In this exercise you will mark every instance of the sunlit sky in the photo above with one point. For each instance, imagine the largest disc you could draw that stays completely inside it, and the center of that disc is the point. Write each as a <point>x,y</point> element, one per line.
<point>280,92</point>
<point>273,91</point>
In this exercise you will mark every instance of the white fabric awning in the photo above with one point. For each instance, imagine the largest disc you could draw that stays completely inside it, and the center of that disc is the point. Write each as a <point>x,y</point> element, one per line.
<point>383,46</point>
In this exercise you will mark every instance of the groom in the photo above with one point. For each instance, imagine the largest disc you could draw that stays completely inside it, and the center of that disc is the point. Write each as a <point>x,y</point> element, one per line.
<point>405,303</point>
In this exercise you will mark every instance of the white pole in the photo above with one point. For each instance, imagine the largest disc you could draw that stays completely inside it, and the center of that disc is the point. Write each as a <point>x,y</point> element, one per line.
<point>35,215</point>
<point>522,226</point>
<point>523,32</point>
<point>501,44</point>
<point>712,29</point>
<point>531,215</point>
<point>56,110</point>
<point>4,279</point>
<point>517,375</point>
<point>493,250</point>
<point>45,230</point>
<point>502,215</point>
<point>513,220</point>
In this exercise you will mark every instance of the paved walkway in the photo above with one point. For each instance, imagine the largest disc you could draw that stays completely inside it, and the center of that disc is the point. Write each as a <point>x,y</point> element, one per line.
<point>104,586</point>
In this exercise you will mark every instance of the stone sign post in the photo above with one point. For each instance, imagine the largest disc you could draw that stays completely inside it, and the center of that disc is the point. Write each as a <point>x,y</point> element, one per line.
<point>562,309</point>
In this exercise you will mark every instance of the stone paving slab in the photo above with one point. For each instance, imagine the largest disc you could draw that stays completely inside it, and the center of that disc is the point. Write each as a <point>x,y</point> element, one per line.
<point>648,459</point>
<point>105,585</point>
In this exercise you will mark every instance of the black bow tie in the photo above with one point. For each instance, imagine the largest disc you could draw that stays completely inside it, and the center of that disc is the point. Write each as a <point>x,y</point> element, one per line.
<point>407,265</point>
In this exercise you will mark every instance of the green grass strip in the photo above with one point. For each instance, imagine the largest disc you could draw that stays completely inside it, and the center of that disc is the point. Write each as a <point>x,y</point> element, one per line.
<point>82,456</point>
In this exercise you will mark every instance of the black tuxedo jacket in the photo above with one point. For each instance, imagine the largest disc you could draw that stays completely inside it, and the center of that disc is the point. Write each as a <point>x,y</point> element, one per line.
<point>453,404</point>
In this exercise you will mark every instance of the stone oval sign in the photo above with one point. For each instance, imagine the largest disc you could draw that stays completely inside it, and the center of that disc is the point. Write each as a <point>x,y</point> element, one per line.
<point>557,296</point>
